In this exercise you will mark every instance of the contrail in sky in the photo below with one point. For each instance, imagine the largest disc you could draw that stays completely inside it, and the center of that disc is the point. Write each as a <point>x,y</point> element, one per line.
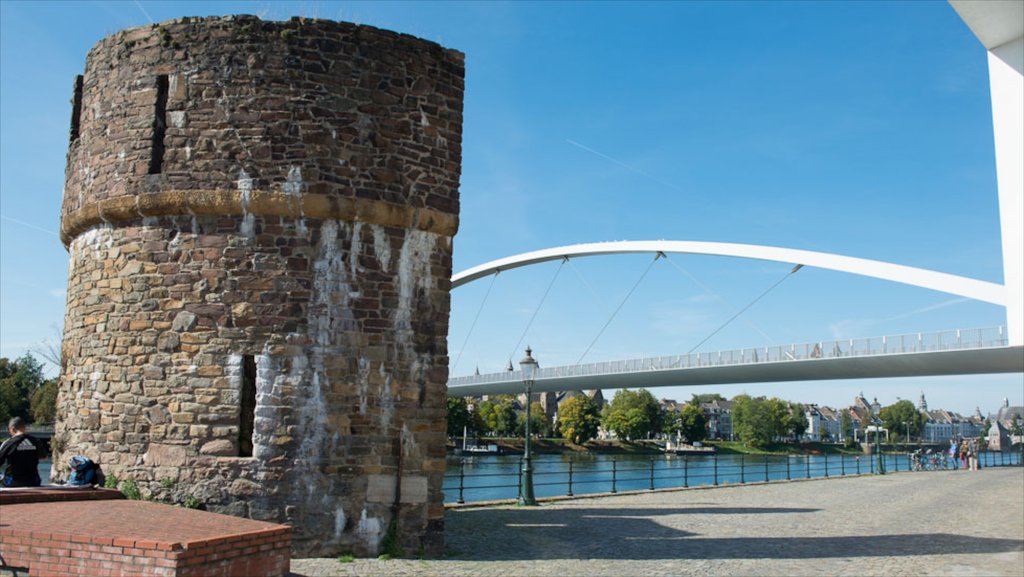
<point>23,223</point>
<point>139,4</point>
<point>624,165</point>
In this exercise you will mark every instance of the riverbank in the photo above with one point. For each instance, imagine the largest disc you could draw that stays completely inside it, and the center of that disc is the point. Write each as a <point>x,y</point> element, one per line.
<point>514,446</point>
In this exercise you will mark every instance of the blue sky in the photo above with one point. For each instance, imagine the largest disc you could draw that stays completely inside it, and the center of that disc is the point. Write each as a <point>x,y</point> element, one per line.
<point>861,129</point>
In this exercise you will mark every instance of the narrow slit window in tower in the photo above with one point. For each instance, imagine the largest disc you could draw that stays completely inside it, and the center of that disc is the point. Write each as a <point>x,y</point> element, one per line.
<point>247,414</point>
<point>156,159</point>
<point>76,108</point>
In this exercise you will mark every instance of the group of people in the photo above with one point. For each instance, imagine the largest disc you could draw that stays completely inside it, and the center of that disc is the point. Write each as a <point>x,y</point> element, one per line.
<point>966,452</point>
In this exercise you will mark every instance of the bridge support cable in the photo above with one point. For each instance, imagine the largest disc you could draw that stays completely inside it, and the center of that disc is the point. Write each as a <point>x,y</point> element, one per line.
<point>618,308</point>
<point>718,296</point>
<point>744,309</point>
<point>537,310</point>
<point>586,283</point>
<point>476,318</point>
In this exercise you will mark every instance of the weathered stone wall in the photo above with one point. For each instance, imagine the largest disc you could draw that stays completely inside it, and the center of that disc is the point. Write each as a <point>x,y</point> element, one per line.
<point>272,195</point>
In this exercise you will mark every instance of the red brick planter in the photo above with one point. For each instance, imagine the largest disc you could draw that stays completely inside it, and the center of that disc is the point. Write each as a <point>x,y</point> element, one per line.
<point>99,537</point>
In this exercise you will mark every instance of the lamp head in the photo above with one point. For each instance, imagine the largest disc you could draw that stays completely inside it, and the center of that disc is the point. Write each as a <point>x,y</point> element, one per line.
<point>529,365</point>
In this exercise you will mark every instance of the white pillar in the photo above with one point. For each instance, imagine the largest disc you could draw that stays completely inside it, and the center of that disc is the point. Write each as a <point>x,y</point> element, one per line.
<point>1005,65</point>
<point>999,25</point>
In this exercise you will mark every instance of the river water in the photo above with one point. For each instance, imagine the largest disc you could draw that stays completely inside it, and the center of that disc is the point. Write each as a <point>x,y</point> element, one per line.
<point>496,477</point>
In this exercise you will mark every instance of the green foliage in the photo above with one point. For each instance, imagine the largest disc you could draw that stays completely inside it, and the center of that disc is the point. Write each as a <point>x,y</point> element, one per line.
<point>846,427</point>
<point>633,415</point>
<point>691,424</point>
<point>540,425</point>
<point>390,546</point>
<point>347,558</point>
<point>759,421</point>
<point>191,502</point>
<point>705,398</point>
<point>797,424</point>
<point>901,414</point>
<point>579,418</point>
<point>44,402</point>
<point>130,489</point>
<point>167,483</point>
<point>458,416</point>
<point>19,381</point>
<point>498,416</point>
<point>110,482</point>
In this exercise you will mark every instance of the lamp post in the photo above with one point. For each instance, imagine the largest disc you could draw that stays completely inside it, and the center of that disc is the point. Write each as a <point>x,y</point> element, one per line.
<point>878,446</point>
<point>907,425</point>
<point>529,368</point>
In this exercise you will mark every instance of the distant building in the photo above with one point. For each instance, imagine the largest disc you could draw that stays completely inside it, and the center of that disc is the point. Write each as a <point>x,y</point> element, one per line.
<point>719,416</point>
<point>998,437</point>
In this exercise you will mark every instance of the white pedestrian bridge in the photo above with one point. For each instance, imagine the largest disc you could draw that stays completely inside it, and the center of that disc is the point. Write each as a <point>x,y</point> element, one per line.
<point>953,352</point>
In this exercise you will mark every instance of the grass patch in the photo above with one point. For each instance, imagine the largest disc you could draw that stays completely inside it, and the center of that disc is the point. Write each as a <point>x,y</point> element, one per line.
<point>738,448</point>
<point>346,558</point>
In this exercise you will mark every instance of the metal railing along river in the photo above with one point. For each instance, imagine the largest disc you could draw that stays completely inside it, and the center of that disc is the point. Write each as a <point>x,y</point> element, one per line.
<point>496,478</point>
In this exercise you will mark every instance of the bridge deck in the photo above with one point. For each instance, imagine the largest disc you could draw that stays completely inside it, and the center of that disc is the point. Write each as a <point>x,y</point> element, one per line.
<point>959,352</point>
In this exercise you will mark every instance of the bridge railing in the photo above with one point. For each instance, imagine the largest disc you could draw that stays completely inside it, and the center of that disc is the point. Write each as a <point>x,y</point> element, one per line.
<point>956,339</point>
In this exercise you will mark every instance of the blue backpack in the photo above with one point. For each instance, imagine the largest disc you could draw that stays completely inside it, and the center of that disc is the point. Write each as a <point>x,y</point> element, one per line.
<point>83,471</point>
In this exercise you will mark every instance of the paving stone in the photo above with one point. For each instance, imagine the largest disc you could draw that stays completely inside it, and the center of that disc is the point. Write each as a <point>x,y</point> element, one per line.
<point>934,523</point>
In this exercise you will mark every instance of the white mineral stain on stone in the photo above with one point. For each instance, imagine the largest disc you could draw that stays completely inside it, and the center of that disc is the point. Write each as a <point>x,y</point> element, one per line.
<point>357,247</point>
<point>413,273</point>
<point>245,191</point>
<point>364,385</point>
<point>293,184</point>
<point>328,310</point>
<point>387,405</point>
<point>370,529</point>
<point>177,118</point>
<point>382,247</point>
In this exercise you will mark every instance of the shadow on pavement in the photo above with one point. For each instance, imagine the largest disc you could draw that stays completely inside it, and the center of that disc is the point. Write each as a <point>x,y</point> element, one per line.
<point>637,534</point>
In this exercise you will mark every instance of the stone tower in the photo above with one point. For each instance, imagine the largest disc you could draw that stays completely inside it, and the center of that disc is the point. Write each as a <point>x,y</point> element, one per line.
<point>259,217</point>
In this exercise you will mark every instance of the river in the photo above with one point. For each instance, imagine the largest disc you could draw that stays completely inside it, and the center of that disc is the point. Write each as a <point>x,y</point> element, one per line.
<point>496,477</point>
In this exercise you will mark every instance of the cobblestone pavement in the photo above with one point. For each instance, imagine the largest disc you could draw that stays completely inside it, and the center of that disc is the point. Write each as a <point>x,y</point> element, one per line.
<point>937,523</point>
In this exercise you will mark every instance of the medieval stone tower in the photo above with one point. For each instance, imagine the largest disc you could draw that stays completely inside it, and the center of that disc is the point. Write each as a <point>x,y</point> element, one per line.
<point>259,217</point>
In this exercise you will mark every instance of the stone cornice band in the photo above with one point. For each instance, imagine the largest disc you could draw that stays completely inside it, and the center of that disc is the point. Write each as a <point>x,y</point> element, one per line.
<point>260,203</point>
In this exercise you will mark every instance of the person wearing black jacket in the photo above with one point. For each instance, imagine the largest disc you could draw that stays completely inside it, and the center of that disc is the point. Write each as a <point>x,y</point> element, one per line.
<point>20,454</point>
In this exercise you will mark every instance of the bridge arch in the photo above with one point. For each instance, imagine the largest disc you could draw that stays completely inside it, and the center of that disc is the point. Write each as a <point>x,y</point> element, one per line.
<point>939,281</point>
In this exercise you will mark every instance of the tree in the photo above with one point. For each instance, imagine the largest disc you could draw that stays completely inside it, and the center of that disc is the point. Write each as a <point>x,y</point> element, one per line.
<point>846,428</point>
<point>633,415</point>
<point>19,380</point>
<point>797,424</point>
<point>900,415</point>
<point>693,425</point>
<point>705,398</point>
<point>43,405</point>
<point>498,416</point>
<point>540,426</point>
<point>748,421</point>
<point>458,416</point>
<point>759,421</point>
<point>579,418</point>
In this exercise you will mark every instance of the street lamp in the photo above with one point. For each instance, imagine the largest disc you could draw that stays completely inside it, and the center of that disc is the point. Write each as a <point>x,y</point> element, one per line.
<point>878,445</point>
<point>907,425</point>
<point>529,368</point>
